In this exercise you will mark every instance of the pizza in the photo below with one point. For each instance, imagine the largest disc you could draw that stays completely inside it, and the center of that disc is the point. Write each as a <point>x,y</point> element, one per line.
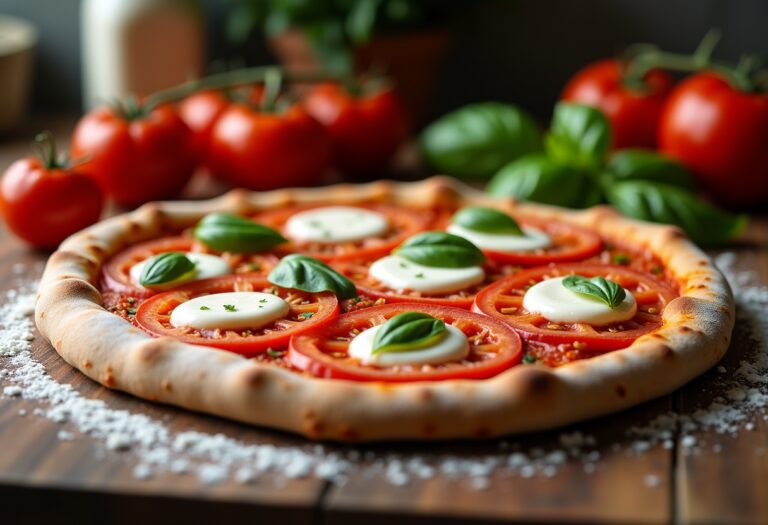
<point>388,310</point>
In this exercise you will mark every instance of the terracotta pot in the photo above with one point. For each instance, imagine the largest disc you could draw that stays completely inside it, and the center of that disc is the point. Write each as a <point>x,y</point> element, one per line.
<point>411,59</point>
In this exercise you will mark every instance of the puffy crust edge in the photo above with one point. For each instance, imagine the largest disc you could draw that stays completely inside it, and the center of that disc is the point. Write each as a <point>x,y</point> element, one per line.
<point>696,333</point>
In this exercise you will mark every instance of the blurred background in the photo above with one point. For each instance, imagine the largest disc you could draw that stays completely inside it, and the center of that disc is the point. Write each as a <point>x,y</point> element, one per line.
<point>520,51</point>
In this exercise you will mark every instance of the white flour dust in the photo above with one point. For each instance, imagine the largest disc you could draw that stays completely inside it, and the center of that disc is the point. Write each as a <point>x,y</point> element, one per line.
<point>741,398</point>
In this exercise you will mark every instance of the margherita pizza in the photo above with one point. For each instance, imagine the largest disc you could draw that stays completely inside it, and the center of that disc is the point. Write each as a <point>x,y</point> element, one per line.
<point>385,311</point>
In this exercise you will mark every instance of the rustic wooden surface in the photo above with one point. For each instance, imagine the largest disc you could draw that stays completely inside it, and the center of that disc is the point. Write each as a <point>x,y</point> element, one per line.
<point>43,478</point>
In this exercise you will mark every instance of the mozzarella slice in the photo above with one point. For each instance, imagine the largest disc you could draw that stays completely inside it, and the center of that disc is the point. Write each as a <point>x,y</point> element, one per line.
<point>454,346</point>
<point>230,311</point>
<point>336,224</point>
<point>534,239</point>
<point>562,305</point>
<point>399,273</point>
<point>206,266</point>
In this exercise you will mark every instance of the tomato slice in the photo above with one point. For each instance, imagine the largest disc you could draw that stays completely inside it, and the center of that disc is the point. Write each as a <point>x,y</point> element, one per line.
<point>504,300</point>
<point>116,277</point>
<point>307,310</point>
<point>494,347</point>
<point>403,224</point>
<point>371,287</point>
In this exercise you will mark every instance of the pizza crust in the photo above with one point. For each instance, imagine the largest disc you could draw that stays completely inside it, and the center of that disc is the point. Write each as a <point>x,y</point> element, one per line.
<point>696,333</point>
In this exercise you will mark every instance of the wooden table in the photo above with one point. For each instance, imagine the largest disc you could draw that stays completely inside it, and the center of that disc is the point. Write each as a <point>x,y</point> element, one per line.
<point>44,478</point>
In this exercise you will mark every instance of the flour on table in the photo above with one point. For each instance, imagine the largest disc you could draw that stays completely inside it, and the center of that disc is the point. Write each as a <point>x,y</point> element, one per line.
<point>742,399</point>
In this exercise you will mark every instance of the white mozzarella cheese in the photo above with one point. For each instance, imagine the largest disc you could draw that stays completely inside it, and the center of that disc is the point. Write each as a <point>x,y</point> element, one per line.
<point>230,311</point>
<point>561,305</point>
<point>336,224</point>
<point>534,239</point>
<point>206,266</point>
<point>452,347</point>
<point>399,273</point>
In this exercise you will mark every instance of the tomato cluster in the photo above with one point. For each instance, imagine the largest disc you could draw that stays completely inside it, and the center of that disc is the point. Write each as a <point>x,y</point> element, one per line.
<point>314,338</point>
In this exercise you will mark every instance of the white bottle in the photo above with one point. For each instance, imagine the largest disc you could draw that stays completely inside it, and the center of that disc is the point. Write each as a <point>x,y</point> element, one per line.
<point>138,46</point>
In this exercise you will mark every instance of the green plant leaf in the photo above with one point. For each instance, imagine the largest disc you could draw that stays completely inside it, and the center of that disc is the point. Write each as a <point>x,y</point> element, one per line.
<point>408,331</point>
<point>538,178</point>
<point>166,268</point>
<point>441,250</point>
<point>486,220</point>
<point>600,288</point>
<point>230,233</point>
<point>579,136</point>
<point>310,275</point>
<point>361,20</point>
<point>475,141</point>
<point>638,164</point>
<point>704,223</point>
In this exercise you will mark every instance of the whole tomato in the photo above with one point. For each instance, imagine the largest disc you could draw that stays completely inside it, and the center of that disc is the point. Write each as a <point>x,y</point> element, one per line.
<point>264,150</point>
<point>365,130</point>
<point>135,158</point>
<point>633,113</point>
<point>721,134</point>
<point>200,112</point>
<point>43,201</point>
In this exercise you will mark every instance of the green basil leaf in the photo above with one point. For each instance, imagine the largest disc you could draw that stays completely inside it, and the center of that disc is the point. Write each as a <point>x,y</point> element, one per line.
<point>638,164</point>
<point>537,178</point>
<point>230,233</point>
<point>310,275</point>
<point>475,141</point>
<point>704,223</point>
<point>408,331</point>
<point>441,249</point>
<point>601,288</point>
<point>165,268</point>
<point>486,220</point>
<point>579,136</point>
<point>361,20</point>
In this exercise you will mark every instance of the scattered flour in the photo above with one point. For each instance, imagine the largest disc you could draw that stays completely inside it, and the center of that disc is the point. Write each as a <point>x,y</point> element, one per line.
<point>216,458</point>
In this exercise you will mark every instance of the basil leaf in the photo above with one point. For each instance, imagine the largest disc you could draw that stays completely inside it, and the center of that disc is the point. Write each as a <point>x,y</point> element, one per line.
<point>601,288</point>
<point>441,249</point>
<point>638,164</point>
<point>487,220</point>
<point>579,136</point>
<point>310,275</point>
<point>537,178</point>
<point>475,141</point>
<point>408,331</point>
<point>165,268</point>
<point>704,223</point>
<point>230,233</point>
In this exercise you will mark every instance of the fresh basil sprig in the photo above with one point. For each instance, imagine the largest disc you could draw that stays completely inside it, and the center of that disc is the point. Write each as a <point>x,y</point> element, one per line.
<point>601,288</point>
<point>310,275</point>
<point>441,250</point>
<point>475,141</point>
<point>579,136</point>
<point>655,202</point>
<point>408,331</point>
<point>230,233</point>
<point>486,220</point>
<point>165,268</point>
<point>639,164</point>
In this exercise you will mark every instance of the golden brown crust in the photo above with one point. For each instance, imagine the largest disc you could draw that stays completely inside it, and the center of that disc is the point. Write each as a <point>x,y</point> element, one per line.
<point>696,332</point>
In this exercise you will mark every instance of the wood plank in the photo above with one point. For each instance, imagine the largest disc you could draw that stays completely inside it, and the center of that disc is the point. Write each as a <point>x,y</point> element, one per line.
<point>729,486</point>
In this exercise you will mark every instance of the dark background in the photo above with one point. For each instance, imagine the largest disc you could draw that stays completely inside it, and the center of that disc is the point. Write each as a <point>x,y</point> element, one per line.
<point>520,51</point>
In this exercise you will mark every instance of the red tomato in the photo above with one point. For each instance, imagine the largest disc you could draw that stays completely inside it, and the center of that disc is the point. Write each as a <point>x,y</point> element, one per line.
<point>307,310</point>
<point>323,352</point>
<point>403,224</point>
<point>135,160</point>
<point>44,205</point>
<point>504,300</point>
<point>365,130</point>
<point>634,115</point>
<point>116,277</point>
<point>264,151</point>
<point>721,134</point>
